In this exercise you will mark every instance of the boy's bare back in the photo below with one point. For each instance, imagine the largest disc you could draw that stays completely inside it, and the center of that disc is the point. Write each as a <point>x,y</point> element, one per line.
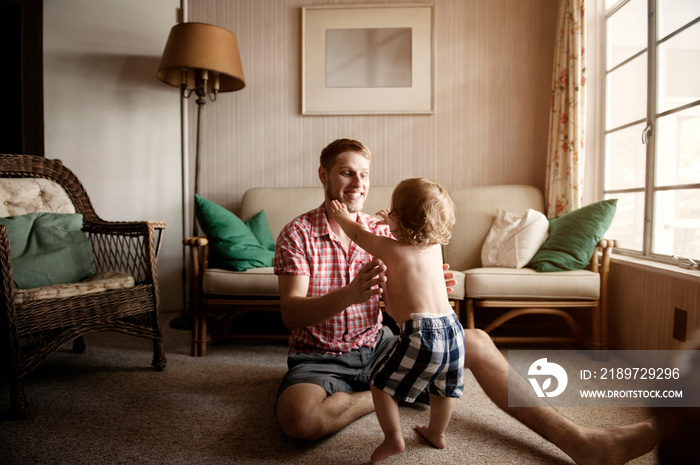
<point>415,279</point>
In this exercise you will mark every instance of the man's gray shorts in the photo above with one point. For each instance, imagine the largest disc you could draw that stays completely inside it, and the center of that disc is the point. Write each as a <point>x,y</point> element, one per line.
<point>348,372</point>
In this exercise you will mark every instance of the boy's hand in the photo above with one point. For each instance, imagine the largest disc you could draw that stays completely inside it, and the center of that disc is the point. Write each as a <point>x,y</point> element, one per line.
<point>338,209</point>
<point>384,215</point>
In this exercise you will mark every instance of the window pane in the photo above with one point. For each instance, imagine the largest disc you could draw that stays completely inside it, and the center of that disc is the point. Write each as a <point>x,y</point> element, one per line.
<point>627,93</point>
<point>678,69</point>
<point>678,148</point>
<point>674,14</point>
<point>677,223</point>
<point>626,32</point>
<point>628,225</point>
<point>625,165</point>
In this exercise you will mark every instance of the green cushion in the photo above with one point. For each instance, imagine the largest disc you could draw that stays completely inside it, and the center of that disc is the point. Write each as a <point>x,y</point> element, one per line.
<point>573,237</point>
<point>233,245</point>
<point>48,249</point>
<point>261,230</point>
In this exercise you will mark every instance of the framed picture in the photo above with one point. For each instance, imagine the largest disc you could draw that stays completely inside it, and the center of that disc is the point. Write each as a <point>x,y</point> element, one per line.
<point>367,59</point>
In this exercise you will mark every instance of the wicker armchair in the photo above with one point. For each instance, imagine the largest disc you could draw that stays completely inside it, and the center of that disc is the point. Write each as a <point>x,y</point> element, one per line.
<point>34,326</point>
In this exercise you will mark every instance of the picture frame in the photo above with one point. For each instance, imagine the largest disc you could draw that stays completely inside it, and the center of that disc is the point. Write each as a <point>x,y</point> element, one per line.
<point>368,59</point>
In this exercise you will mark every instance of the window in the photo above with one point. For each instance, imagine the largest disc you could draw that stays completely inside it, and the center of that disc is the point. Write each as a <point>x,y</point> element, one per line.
<point>652,126</point>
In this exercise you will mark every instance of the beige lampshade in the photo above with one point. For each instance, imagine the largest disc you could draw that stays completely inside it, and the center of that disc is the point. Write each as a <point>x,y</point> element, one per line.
<point>199,47</point>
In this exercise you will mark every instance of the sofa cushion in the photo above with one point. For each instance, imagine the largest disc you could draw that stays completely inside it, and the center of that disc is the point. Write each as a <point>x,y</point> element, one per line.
<point>283,204</point>
<point>573,237</point>
<point>233,245</point>
<point>264,282</point>
<point>48,249</point>
<point>253,282</point>
<point>513,240</point>
<point>526,283</point>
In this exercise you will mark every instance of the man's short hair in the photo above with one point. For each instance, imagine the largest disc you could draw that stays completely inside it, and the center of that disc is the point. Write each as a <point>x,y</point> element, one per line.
<point>330,154</point>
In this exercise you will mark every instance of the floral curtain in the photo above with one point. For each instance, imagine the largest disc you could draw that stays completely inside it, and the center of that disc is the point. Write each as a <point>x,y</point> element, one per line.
<point>565,152</point>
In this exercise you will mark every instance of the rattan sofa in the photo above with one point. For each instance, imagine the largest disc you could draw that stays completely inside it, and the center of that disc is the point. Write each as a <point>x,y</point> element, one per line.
<point>123,296</point>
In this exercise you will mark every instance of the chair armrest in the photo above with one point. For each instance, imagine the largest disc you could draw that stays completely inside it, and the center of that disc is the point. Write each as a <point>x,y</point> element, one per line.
<point>6,278</point>
<point>128,246</point>
<point>199,253</point>
<point>199,262</point>
<point>600,261</point>
<point>198,241</point>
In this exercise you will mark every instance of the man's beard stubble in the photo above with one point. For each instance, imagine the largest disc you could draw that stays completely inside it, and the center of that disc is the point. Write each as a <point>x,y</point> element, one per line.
<point>351,209</point>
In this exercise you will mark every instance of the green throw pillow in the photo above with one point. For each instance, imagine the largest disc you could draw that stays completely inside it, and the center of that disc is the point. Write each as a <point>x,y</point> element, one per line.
<point>261,230</point>
<point>573,237</point>
<point>48,249</point>
<point>233,245</point>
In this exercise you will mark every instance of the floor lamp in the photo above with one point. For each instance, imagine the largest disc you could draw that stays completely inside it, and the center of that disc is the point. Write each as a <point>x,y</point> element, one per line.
<point>202,59</point>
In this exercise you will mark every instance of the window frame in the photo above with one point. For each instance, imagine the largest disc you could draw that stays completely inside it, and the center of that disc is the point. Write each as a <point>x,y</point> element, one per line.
<point>649,189</point>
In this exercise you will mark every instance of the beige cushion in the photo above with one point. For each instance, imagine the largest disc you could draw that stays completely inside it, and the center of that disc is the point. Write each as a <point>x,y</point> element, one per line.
<point>98,283</point>
<point>263,282</point>
<point>255,282</point>
<point>526,283</point>
<point>283,204</point>
<point>21,196</point>
<point>476,209</point>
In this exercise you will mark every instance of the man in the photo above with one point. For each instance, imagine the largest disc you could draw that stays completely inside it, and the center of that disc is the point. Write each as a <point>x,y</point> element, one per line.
<point>329,291</point>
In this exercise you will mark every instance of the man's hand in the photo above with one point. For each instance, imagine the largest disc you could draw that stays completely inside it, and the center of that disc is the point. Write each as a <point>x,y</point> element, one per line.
<point>450,280</point>
<point>299,311</point>
<point>367,282</point>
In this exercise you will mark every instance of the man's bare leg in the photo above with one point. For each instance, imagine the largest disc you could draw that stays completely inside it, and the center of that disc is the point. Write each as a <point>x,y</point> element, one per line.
<point>305,411</point>
<point>584,445</point>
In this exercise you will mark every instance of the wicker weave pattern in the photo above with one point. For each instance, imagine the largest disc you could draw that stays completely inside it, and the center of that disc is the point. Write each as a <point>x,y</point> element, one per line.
<point>32,331</point>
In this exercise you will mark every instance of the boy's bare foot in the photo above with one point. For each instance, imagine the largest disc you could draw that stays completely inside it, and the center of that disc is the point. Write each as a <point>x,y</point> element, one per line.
<point>392,445</point>
<point>436,439</point>
<point>617,445</point>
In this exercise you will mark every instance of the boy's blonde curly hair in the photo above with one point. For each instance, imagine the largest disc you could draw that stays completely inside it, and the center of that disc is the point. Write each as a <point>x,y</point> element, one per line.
<point>423,211</point>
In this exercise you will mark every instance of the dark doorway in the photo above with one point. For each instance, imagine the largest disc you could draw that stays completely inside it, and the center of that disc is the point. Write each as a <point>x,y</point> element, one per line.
<point>21,55</point>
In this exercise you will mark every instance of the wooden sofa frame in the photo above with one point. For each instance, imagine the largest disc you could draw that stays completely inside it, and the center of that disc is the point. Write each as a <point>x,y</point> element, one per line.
<point>600,263</point>
<point>200,304</point>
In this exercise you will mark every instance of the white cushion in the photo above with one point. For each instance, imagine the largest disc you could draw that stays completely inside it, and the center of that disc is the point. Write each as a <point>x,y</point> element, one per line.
<point>513,239</point>
<point>526,283</point>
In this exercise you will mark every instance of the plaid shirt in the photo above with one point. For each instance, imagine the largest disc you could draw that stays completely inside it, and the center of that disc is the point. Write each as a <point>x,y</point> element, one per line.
<point>308,247</point>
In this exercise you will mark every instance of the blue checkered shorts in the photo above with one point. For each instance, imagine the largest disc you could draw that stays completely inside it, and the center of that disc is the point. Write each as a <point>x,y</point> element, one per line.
<point>429,353</point>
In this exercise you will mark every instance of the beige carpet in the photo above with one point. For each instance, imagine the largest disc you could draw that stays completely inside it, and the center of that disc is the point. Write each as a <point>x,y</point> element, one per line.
<point>109,406</point>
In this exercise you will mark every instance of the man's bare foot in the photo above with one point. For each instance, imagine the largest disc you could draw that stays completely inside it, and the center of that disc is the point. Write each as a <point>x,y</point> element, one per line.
<point>617,445</point>
<point>392,445</point>
<point>436,439</point>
